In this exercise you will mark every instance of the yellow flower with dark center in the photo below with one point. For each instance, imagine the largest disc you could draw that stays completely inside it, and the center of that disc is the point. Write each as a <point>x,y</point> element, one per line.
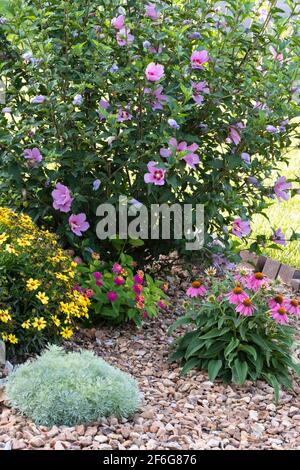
<point>32,284</point>
<point>26,325</point>
<point>10,249</point>
<point>39,323</point>
<point>12,339</point>
<point>23,242</point>
<point>55,320</point>
<point>5,316</point>
<point>66,332</point>
<point>41,296</point>
<point>3,238</point>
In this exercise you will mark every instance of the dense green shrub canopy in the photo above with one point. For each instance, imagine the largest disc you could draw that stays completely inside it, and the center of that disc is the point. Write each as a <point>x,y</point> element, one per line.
<point>61,388</point>
<point>98,103</point>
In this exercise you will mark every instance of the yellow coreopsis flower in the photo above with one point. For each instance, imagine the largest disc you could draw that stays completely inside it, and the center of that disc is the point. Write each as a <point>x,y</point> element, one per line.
<point>39,323</point>
<point>23,242</point>
<point>26,325</point>
<point>12,339</point>
<point>66,332</point>
<point>42,297</point>
<point>3,238</point>
<point>32,284</point>
<point>61,277</point>
<point>4,336</point>
<point>10,249</point>
<point>55,320</point>
<point>5,316</point>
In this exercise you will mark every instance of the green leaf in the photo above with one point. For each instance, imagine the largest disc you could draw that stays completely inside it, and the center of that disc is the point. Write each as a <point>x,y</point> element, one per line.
<point>231,346</point>
<point>190,364</point>
<point>214,333</point>
<point>239,371</point>
<point>214,367</point>
<point>248,349</point>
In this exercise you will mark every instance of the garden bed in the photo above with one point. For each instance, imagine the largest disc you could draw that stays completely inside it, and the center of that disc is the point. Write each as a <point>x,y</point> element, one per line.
<point>178,412</point>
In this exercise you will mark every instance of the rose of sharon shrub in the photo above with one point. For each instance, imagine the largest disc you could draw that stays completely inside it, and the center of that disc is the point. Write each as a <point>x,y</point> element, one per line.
<point>61,388</point>
<point>239,330</point>
<point>37,300</point>
<point>120,292</point>
<point>155,101</point>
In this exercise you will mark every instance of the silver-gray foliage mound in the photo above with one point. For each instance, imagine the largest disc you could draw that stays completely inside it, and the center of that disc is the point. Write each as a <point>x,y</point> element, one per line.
<point>59,388</point>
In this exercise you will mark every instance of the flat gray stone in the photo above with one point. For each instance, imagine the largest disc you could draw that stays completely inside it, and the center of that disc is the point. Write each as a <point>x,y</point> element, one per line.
<point>271,268</point>
<point>286,273</point>
<point>295,283</point>
<point>2,353</point>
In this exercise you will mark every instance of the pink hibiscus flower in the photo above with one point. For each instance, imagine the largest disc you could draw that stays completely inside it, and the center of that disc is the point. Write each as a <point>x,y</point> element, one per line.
<point>62,199</point>
<point>118,22</point>
<point>124,37</point>
<point>197,289</point>
<point>123,115</point>
<point>151,12</point>
<point>78,224</point>
<point>279,314</point>
<point>278,237</point>
<point>33,155</point>
<point>157,99</point>
<point>246,307</point>
<point>155,175</point>
<point>154,72</point>
<point>199,59</point>
<point>198,88</point>
<point>190,157</point>
<point>240,227</point>
<point>280,188</point>
<point>237,295</point>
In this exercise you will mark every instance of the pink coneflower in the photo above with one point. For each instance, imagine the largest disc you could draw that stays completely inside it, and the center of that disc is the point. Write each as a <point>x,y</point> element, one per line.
<point>112,296</point>
<point>246,307</point>
<point>277,301</point>
<point>117,268</point>
<point>237,295</point>
<point>292,306</point>
<point>119,280</point>
<point>196,290</point>
<point>279,314</point>
<point>161,304</point>
<point>256,281</point>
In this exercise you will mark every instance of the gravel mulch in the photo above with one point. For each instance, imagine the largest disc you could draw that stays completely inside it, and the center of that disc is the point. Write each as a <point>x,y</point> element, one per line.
<point>177,413</point>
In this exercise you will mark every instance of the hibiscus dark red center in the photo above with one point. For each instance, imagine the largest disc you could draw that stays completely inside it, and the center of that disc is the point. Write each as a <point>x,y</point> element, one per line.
<point>247,302</point>
<point>237,290</point>
<point>158,174</point>
<point>196,284</point>
<point>259,276</point>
